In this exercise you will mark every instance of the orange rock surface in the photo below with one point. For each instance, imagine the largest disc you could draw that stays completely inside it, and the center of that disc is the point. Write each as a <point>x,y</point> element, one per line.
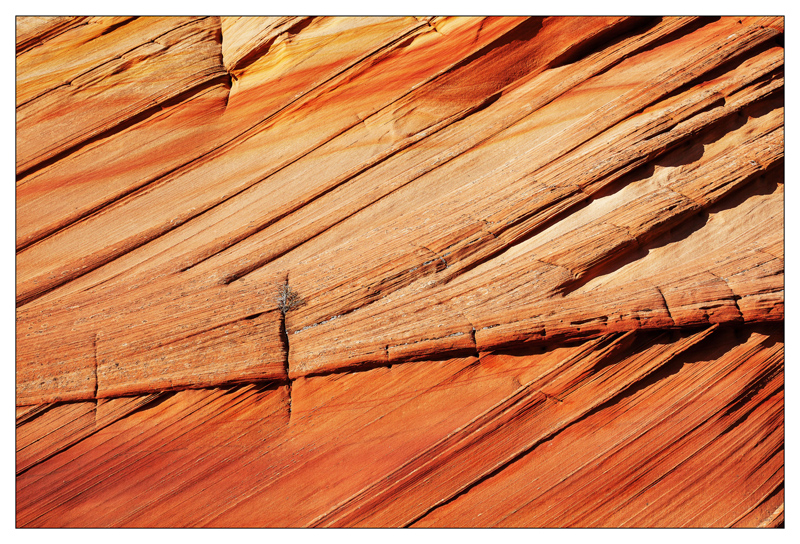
<point>538,262</point>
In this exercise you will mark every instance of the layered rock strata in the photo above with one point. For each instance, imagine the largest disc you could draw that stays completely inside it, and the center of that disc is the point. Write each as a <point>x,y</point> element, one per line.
<point>538,266</point>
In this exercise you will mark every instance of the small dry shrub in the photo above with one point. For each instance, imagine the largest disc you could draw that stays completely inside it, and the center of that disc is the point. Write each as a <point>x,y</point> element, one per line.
<point>288,299</point>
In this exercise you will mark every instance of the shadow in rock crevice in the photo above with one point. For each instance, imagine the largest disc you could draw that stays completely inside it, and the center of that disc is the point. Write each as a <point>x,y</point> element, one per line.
<point>759,184</point>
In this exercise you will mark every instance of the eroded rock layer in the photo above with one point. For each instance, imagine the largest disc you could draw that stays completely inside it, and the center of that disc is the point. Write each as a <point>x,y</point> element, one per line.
<point>531,271</point>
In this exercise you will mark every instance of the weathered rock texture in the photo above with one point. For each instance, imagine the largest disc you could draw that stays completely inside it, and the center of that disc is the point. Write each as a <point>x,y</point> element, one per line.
<point>540,264</point>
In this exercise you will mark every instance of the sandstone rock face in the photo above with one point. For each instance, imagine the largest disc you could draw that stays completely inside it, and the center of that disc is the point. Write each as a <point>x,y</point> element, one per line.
<point>538,265</point>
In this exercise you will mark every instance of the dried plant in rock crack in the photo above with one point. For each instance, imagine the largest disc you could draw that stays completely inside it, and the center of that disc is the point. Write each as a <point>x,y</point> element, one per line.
<point>288,299</point>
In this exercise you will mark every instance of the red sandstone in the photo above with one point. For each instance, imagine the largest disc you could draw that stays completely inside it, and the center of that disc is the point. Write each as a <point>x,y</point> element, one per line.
<point>541,263</point>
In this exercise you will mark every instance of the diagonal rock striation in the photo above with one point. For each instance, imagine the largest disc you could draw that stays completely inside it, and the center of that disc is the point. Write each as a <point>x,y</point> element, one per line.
<point>538,265</point>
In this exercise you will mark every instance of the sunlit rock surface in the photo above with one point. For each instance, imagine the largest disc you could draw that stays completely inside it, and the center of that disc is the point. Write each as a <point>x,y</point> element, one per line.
<point>538,266</point>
